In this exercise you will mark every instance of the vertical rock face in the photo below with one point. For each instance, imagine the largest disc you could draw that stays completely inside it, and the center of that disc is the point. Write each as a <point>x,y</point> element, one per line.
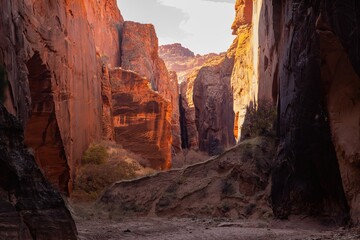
<point>189,133</point>
<point>175,117</point>
<point>339,50</point>
<point>181,60</point>
<point>142,118</point>
<point>139,53</point>
<point>316,82</point>
<point>29,206</point>
<point>105,22</point>
<point>49,51</point>
<point>255,58</point>
<point>214,116</point>
<point>304,56</point>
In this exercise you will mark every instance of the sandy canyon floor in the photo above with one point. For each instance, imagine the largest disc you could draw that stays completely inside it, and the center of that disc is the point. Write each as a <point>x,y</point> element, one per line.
<point>96,227</point>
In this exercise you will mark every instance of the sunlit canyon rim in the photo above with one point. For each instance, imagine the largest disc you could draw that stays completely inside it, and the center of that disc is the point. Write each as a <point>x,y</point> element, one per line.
<point>74,73</point>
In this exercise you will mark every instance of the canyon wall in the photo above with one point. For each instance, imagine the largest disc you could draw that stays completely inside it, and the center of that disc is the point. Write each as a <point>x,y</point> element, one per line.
<point>57,58</point>
<point>49,54</point>
<point>142,118</point>
<point>304,57</point>
<point>29,206</point>
<point>139,53</point>
<point>213,101</point>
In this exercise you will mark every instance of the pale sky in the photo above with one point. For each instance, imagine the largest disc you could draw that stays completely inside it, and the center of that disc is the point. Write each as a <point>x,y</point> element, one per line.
<point>203,26</point>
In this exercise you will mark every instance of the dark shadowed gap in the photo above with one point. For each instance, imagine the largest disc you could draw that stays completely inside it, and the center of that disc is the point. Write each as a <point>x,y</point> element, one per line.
<point>42,134</point>
<point>183,128</point>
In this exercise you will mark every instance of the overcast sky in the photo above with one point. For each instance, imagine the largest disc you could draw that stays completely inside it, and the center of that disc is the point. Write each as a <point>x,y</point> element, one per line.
<point>203,26</point>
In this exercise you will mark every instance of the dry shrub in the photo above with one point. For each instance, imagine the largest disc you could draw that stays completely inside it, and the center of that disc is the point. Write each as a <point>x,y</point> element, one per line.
<point>95,154</point>
<point>259,120</point>
<point>103,164</point>
<point>93,179</point>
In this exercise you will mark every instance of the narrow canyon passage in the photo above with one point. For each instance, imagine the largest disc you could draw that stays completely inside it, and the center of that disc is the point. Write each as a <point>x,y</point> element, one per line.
<point>117,127</point>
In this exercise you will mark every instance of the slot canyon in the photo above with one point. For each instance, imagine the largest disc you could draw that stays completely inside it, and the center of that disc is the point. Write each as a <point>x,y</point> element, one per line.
<point>107,134</point>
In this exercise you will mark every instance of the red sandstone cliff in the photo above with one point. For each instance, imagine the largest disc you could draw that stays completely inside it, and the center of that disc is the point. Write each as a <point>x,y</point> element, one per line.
<point>142,118</point>
<point>181,60</point>
<point>140,54</point>
<point>50,58</point>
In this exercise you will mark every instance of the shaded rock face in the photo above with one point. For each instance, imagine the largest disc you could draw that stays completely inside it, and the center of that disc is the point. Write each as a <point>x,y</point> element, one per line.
<point>232,185</point>
<point>181,60</point>
<point>189,133</point>
<point>29,206</point>
<point>316,82</point>
<point>49,54</point>
<point>214,116</point>
<point>339,38</point>
<point>142,118</point>
<point>304,56</point>
<point>175,117</point>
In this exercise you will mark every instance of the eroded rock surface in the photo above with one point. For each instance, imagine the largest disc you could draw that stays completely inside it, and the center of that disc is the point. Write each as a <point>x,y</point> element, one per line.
<point>213,101</point>
<point>142,118</point>
<point>30,208</point>
<point>230,185</point>
<point>182,60</point>
<point>139,49</point>
<point>49,53</point>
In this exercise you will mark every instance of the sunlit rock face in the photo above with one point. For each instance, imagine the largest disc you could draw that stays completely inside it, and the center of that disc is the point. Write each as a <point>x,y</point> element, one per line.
<point>49,54</point>
<point>142,118</point>
<point>30,208</point>
<point>181,60</point>
<point>105,22</point>
<point>255,62</point>
<point>318,109</point>
<point>139,53</point>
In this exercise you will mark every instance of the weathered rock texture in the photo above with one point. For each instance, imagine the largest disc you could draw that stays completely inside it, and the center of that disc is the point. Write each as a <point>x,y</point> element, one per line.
<point>315,80</point>
<point>142,118</point>
<point>304,56</point>
<point>233,185</point>
<point>213,101</point>
<point>255,62</point>
<point>181,60</point>
<point>29,206</point>
<point>139,53</point>
<point>48,50</point>
<point>105,22</point>
<point>189,133</point>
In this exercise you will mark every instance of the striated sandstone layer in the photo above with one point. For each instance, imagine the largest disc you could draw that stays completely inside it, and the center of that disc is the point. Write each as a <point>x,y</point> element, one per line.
<point>30,208</point>
<point>139,53</point>
<point>181,60</point>
<point>142,118</point>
